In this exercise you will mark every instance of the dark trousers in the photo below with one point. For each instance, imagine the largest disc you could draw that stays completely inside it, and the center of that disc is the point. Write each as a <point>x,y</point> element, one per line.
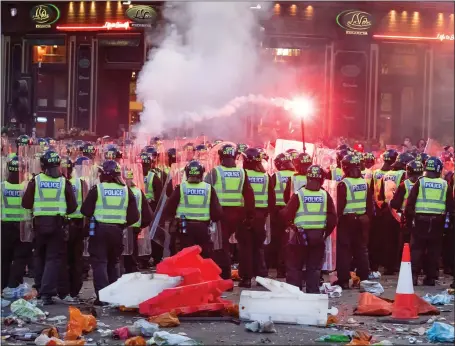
<point>130,261</point>
<point>276,250</point>
<point>15,255</point>
<point>70,282</point>
<point>232,222</point>
<point>426,245</point>
<point>312,257</point>
<point>251,247</point>
<point>352,242</point>
<point>49,253</point>
<point>390,230</point>
<point>197,233</point>
<point>157,249</point>
<point>105,249</point>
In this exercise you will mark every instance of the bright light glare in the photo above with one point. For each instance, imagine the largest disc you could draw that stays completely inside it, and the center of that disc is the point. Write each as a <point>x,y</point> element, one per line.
<point>301,107</point>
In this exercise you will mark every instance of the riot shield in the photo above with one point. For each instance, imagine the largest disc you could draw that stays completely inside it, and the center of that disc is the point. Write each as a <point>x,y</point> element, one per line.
<point>144,246</point>
<point>128,241</point>
<point>232,239</point>
<point>158,233</point>
<point>216,235</point>
<point>86,253</point>
<point>26,228</point>
<point>330,244</point>
<point>268,231</point>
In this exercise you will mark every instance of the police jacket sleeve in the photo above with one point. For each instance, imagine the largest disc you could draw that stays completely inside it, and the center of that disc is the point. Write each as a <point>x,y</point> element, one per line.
<point>216,211</point>
<point>146,212</point>
<point>287,214</point>
<point>132,212</point>
<point>369,207</point>
<point>170,208</point>
<point>29,195</point>
<point>341,197</point>
<point>271,197</point>
<point>248,197</point>
<point>71,204</point>
<point>398,198</point>
<point>381,191</point>
<point>89,204</point>
<point>157,187</point>
<point>331,217</point>
<point>410,209</point>
<point>287,192</point>
<point>84,189</point>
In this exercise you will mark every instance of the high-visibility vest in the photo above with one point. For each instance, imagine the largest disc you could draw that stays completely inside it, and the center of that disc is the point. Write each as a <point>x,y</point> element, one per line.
<point>297,182</point>
<point>259,182</point>
<point>337,174</point>
<point>356,196</point>
<point>49,199</point>
<point>194,201</point>
<point>11,202</point>
<point>408,184</point>
<point>148,184</point>
<point>312,212</point>
<point>367,174</point>
<point>393,177</point>
<point>76,183</point>
<point>432,196</point>
<point>377,178</point>
<point>282,178</point>
<point>138,196</point>
<point>111,203</point>
<point>229,186</point>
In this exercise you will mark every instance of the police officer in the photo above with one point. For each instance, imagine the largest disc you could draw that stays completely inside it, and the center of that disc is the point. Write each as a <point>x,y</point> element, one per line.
<point>51,197</point>
<point>251,242</point>
<point>449,241</point>
<point>313,214</point>
<point>336,173</point>
<point>114,208</point>
<point>354,208</point>
<point>367,173</point>
<point>70,282</point>
<point>429,201</point>
<point>15,253</point>
<point>298,180</point>
<point>237,199</point>
<point>88,150</point>
<point>276,250</point>
<point>196,203</point>
<point>145,218</point>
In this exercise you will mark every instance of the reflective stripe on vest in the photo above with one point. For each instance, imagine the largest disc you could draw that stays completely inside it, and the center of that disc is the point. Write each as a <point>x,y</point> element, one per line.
<point>76,183</point>
<point>408,184</point>
<point>148,184</point>
<point>138,196</point>
<point>259,182</point>
<point>229,186</point>
<point>356,196</point>
<point>337,174</point>
<point>195,201</point>
<point>377,177</point>
<point>298,181</point>
<point>11,202</point>
<point>281,179</point>
<point>312,212</point>
<point>49,199</point>
<point>111,203</point>
<point>367,174</point>
<point>432,196</point>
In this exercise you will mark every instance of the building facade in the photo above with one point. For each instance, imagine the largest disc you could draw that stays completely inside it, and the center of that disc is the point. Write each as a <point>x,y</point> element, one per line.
<point>381,70</point>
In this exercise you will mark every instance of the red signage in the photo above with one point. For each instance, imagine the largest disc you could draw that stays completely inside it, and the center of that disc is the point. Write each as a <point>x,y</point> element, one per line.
<point>106,26</point>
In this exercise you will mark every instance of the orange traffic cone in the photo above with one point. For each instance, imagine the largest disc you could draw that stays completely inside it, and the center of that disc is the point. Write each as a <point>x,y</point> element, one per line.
<point>405,304</point>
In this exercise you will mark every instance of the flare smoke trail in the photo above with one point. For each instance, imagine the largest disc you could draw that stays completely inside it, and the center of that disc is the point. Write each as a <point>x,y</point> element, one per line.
<point>208,59</point>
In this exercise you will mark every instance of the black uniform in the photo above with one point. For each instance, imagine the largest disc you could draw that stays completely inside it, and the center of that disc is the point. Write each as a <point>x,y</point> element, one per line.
<point>448,247</point>
<point>157,249</point>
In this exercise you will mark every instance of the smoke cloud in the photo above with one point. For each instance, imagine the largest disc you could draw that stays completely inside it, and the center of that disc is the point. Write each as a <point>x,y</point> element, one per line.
<point>208,60</point>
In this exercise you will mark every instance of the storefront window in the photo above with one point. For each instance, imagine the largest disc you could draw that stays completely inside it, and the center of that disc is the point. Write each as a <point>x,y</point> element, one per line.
<point>52,91</point>
<point>399,64</point>
<point>49,54</point>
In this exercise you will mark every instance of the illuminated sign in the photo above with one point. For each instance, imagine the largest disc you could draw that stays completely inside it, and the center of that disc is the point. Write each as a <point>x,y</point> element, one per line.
<point>355,22</point>
<point>446,37</point>
<point>438,37</point>
<point>142,16</point>
<point>106,26</point>
<point>44,15</point>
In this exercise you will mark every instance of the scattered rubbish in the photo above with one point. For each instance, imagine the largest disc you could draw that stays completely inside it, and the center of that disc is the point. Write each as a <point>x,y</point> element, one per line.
<point>440,332</point>
<point>372,287</point>
<point>104,333</point>
<point>331,291</point>
<point>78,323</point>
<point>439,299</point>
<point>334,338</point>
<point>168,339</point>
<point>370,305</point>
<point>419,331</point>
<point>135,341</point>
<point>166,320</point>
<point>100,325</point>
<point>360,337</point>
<point>43,339</point>
<point>235,275</point>
<point>278,286</point>
<point>351,321</point>
<point>18,292</point>
<point>24,309</point>
<point>261,327</point>
<point>122,333</point>
<point>384,342</point>
<point>5,303</point>
<point>51,332</point>
<point>331,320</point>
<point>26,336</point>
<point>354,281</point>
<point>431,320</point>
<point>57,319</point>
<point>147,328</point>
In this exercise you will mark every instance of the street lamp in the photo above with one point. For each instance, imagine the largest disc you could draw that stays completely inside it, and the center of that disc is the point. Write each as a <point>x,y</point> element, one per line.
<point>303,108</point>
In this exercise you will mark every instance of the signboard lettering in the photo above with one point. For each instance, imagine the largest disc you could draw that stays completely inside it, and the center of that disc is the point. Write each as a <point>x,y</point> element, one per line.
<point>84,64</point>
<point>355,22</point>
<point>446,37</point>
<point>44,15</point>
<point>142,16</point>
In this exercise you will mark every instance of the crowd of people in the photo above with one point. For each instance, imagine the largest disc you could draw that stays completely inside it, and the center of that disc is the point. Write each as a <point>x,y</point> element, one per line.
<point>74,197</point>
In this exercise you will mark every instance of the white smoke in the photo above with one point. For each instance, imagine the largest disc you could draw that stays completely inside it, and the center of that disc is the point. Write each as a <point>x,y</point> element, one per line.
<point>205,72</point>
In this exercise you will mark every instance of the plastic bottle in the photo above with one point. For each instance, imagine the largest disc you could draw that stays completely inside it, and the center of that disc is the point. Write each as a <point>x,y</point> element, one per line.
<point>91,231</point>
<point>183,223</point>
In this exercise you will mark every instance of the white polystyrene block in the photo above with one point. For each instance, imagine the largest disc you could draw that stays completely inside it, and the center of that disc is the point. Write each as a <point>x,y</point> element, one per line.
<point>278,286</point>
<point>309,309</point>
<point>132,289</point>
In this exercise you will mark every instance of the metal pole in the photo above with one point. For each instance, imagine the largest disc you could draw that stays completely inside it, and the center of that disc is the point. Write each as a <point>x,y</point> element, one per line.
<point>302,126</point>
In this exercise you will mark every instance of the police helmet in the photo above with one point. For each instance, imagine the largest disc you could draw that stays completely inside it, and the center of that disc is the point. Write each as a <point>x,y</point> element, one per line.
<point>241,147</point>
<point>42,142</point>
<point>350,164</point>
<point>113,154</point>
<point>50,159</point>
<point>315,173</point>
<point>402,160</point>
<point>50,140</point>
<point>151,150</point>
<point>294,153</point>
<point>340,154</point>
<point>422,157</point>
<point>172,155</point>
<point>88,150</point>
<point>414,168</point>
<point>342,147</point>
<point>217,141</point>
<point>227,151</point>
<point>128,173</point>
<point>66,162</point>
<point>110,168</point>
<point>145,159</point>
<point>390,155</point>
<point>23,140</point>
<point>80,161</point>
<point>189,147</point>
<point>302,162</point>
<point>264,154</point>
<point>369,159</point>
<point>156,140</point>
<point>433,167</point>
<point>194,171</point>
<point>201,148</point>
<point>283,162</point>
<point>13,164</point>
<point>252,155</point>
